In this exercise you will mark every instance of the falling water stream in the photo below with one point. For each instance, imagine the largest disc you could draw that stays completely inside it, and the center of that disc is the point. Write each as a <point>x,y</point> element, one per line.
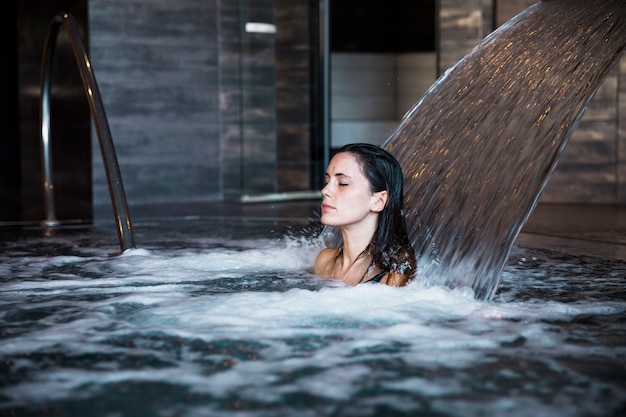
<point>478,149</point>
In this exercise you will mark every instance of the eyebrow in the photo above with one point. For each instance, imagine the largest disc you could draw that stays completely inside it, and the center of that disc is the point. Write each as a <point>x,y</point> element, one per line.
<point>339,174</point>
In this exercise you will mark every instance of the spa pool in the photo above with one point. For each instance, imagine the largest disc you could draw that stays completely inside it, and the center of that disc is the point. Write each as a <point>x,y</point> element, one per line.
<point>223,318</point>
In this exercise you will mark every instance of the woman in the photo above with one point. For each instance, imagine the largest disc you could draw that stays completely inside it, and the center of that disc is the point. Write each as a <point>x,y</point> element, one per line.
<point>363,198</point>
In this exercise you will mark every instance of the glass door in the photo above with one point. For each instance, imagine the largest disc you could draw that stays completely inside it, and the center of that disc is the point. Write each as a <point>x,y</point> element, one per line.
<point>258,97</point>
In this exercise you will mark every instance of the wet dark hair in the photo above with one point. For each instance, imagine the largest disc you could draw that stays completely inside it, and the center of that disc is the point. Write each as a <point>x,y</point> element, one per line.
<point>390,246</point>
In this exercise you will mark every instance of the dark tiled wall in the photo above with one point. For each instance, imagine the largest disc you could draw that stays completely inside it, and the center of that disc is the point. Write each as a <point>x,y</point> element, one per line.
<point>10,208</point>
<point>230,101</point>
<point>157,67</point>
<point>297,96</point>
<point>69,112</point>
<point>199,108</point>
<point>258,89</point>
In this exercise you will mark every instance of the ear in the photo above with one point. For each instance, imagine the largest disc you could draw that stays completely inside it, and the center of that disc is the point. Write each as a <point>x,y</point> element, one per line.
<point>380,201</point>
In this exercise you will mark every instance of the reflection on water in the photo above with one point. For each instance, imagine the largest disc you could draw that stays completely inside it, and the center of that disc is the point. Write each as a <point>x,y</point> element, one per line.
<point>216,320</point>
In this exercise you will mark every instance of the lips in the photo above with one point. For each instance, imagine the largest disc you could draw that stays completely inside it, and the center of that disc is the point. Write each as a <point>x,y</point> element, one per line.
<point>326,207</point>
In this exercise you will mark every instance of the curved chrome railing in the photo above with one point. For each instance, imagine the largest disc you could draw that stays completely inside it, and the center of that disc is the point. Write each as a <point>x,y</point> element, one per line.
<point>111,166</point>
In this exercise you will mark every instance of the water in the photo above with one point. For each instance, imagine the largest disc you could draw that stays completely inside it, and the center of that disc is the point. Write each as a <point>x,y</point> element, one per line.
<point>212,318</point>
<point>479,147</point>
<point>225,319</point>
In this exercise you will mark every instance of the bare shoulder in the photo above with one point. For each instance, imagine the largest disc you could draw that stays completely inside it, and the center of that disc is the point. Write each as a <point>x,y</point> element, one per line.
<point>324,261</point>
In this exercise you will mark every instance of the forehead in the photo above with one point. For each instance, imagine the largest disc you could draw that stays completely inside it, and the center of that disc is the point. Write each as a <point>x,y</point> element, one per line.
<point>344,163</point>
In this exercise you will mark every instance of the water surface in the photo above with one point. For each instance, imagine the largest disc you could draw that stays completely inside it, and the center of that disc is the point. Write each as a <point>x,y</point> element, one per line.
<point>214,319</point>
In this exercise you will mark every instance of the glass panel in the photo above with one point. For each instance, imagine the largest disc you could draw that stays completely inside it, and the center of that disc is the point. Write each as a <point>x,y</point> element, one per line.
<point>258,89</point>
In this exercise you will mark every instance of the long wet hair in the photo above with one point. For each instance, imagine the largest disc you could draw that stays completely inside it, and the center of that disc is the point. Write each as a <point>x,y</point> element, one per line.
<point>390,247</point>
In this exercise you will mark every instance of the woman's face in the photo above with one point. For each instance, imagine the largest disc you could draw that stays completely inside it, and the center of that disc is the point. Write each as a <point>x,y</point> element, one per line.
<point>346,197</point>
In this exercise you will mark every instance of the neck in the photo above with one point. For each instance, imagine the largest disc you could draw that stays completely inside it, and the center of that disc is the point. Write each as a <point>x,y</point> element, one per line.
<point>351,270</point>
<point>357,238</point>
<point>353,261</point>
<point>352,251</point>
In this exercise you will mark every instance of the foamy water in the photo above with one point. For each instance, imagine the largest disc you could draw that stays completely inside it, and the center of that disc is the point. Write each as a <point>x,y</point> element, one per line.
<point>239,326</point>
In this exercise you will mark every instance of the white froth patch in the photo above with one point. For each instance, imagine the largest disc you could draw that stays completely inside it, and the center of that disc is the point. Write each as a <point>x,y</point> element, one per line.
<point>326,339</point>
<point>287,254</point>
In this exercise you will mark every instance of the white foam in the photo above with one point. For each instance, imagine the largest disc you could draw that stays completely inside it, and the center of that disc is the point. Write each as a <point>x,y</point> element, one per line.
<point>274,321</point>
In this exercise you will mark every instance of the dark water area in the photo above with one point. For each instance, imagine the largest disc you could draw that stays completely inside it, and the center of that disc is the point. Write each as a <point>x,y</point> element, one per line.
<point>212,318</point>
<point>478,149</point>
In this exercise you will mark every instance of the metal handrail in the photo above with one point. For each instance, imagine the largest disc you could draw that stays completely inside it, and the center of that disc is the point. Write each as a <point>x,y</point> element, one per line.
<point>111,166</point>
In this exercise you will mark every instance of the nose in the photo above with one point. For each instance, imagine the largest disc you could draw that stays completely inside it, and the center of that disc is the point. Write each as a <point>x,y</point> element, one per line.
<point>326,190</point>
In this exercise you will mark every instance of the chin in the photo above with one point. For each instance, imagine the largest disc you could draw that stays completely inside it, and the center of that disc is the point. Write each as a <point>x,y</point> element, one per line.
<point>325,222</point>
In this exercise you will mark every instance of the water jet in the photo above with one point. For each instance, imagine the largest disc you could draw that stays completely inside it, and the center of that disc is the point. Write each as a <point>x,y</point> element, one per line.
<point>479,147</point>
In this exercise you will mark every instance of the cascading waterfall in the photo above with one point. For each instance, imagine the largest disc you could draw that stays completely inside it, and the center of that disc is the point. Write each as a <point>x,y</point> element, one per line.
<point>479,147</point>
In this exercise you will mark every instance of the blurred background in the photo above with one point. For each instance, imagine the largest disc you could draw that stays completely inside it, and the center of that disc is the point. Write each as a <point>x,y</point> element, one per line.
<point>214,100</point>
